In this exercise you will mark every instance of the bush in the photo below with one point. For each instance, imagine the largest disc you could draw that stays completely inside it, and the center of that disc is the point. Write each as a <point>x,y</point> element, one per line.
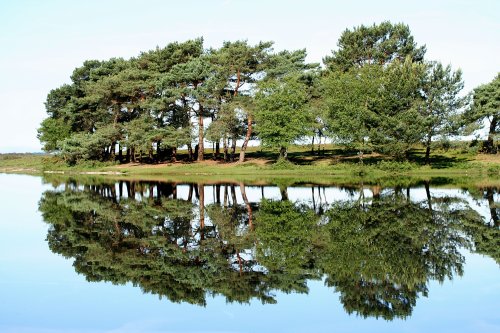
<point>494,169</point>
<point>283,164</point>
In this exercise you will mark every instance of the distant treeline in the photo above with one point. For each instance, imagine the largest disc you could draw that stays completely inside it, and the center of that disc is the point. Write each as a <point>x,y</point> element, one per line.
<point>375,92</point>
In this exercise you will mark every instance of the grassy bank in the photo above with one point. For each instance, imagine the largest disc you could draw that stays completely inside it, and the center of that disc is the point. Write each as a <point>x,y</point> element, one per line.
<point>330,163</point>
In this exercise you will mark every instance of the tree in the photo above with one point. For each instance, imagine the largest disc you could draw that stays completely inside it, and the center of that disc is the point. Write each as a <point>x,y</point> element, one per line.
<point>441,103</point>
<point>282,115</point>
<point>349,98</point>
<point>486,105</point>
<point>96,146</point>
<point>242,65</point>
<point>198,85</point>
<point>51,132</point>
<point>399,124</point>
<point>373,84</point>
<point>377,44</point>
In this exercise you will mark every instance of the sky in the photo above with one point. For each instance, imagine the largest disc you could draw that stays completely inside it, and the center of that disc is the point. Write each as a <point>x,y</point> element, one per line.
<point>43,41</point>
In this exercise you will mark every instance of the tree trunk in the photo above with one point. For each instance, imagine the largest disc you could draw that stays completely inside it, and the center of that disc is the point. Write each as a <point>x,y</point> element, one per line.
<point>217,150</point>
<point>225,149</point>
<point>247,204</point>
<point>196,192</point>
<point>217,194</point>
<point>247,138</point>
<point>428,193</point>
<point>376,190</point>
<point>200,134</point>
<point>233,149</point>
<point>132,154</point>
<point>313,198</point>
<point>159,152</point>
<point>312,145</point>
<point>319,145</point>
<point>226,196</point>
<point>491,134</point>
<point>201,191</point>
<point>283,153</point>
<point>233,195</point>
<point>120,153</point>
<point>493,209</point>
<point>113,151</point>
<point>190,152</point>
<point>190,193</point>
<point>428,150</point>
<point>284,193</point>
<point>196,150</point>
<point>174,154</point>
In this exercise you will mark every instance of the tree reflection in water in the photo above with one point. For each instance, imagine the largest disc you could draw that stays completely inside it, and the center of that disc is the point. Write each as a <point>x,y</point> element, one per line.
<point>379,251</point>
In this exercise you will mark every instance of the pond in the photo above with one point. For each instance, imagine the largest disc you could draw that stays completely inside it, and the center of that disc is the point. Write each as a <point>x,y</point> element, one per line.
<point>103,255</point>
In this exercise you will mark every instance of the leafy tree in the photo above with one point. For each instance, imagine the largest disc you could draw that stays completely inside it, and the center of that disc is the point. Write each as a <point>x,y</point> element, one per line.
<point>86,146</point>
<point>282,113</point>
<point>139,136</point>
<point>377,44</point>
<point>486,105</point>
<point>373,84</point>
<point>242,65</point>
<point>349,98</point>
<point>399,124</point>
<point>51,132</point>
<point>441,88</point>
<point>198,84</point>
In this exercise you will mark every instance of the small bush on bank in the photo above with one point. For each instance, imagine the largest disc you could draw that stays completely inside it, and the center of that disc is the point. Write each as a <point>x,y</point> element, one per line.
<point>283,164</point>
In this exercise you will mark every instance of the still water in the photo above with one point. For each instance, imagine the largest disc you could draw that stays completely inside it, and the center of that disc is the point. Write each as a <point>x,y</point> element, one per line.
<point>91,255</point>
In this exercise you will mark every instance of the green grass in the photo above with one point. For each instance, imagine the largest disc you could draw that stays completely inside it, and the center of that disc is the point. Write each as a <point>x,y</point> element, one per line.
<point>332,164</point>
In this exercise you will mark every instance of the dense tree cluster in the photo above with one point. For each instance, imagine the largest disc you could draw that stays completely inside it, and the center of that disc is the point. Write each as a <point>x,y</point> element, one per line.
<point>376,92</point>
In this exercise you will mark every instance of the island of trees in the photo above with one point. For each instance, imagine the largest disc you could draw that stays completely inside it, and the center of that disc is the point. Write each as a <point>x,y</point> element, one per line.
<point>376,92</point>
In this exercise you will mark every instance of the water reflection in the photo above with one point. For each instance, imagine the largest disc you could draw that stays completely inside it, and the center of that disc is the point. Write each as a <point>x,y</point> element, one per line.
<point>378,248</point>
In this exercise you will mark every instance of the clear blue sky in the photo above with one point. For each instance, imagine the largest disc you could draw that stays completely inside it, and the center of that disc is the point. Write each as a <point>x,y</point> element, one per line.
<point>43,41</point>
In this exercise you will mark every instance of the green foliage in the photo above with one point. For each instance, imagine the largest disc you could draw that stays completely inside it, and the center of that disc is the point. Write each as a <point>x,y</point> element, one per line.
<point>442,103</point>
<point>377,44</point>
<point>486,105</point>
<point>399,124</point>
<point>51,132</point>
<point>283,164</point>
<point>285,232</point>
<point>86,146</point>
<point>349,98</point>
<point>281,112</point>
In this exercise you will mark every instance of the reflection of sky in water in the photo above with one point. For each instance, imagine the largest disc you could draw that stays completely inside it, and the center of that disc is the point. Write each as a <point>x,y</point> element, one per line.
<point>40,291</point>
